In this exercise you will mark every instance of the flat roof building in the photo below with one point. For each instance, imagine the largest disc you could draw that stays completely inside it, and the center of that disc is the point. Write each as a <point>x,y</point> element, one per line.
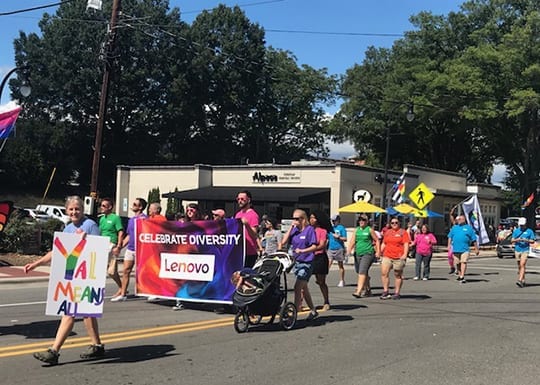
<point>278,189</point>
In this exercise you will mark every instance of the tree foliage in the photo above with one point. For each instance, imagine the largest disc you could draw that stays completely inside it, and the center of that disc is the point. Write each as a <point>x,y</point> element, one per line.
<point>209,92</point>
<point>474,79</point>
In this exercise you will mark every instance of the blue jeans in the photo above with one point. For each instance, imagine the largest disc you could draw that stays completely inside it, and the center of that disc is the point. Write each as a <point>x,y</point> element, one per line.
<point>422,259</point>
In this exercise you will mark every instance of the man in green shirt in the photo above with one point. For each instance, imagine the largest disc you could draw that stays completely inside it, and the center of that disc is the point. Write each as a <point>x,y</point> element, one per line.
<point>110,225</point>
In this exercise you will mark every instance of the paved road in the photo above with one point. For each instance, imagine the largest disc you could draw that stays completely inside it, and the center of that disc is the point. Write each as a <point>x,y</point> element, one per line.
<point>440,332</point>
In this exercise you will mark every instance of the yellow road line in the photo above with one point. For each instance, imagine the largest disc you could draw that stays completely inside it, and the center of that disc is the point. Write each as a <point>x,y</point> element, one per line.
<point>15,350</point>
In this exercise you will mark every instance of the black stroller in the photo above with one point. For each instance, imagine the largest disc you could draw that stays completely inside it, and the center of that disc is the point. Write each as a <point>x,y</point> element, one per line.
<point>266,295</point>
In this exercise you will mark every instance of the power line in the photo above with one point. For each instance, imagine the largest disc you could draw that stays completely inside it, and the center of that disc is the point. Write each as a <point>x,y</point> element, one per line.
<point>34,8</point>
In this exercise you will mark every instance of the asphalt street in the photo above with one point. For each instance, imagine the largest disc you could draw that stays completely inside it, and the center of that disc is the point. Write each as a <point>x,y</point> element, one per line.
<point>440,332</point>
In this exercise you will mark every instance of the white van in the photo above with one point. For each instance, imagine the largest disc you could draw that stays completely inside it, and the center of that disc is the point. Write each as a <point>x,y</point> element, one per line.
<point>58,212</point>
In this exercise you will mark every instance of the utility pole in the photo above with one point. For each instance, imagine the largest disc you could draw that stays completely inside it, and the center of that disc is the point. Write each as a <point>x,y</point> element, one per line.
<point>108,50</point>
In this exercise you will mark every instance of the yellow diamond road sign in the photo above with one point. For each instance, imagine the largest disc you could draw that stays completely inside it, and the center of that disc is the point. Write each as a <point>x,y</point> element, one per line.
<point>421,196</point>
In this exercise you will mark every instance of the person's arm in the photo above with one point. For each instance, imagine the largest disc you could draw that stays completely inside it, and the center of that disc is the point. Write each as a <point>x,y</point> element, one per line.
<point>377,243</point>
<point>406,244</point>
<point>351,245</point>
<point>43,260</point>
<point>285,238</point>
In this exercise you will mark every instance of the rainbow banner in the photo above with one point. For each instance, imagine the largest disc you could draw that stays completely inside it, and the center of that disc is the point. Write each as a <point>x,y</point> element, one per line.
<point>8,116</point>
<point>191,261</point>
<point>78,275</point>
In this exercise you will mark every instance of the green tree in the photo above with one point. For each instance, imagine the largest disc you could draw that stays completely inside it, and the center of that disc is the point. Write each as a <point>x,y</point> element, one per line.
<point>474,79</point>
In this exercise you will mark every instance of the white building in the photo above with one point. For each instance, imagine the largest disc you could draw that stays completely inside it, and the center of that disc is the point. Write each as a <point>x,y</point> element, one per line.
<point>278,189</point>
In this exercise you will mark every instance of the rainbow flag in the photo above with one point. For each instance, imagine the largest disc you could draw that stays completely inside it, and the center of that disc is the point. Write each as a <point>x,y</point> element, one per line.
<point>8,116</point>
<point>529,200</point>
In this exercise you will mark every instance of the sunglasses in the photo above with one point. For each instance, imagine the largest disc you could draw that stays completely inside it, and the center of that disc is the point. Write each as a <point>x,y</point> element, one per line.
<point>394,223</point>
<point>296,218</point>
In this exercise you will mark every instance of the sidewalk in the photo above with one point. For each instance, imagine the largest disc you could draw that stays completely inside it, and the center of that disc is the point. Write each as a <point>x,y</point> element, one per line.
<point>15,274</point>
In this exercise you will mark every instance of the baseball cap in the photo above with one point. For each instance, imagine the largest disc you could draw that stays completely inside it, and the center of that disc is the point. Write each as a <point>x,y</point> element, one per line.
<point>334,217</point>
<point>522,221</point>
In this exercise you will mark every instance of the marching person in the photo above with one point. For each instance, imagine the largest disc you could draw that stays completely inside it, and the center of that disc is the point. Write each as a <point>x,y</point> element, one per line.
<point>83,226</point>
<point>460,238</point>
<point>394,248</point>
<point>303,244</point>
<point>365,246</point>
<point>522,238</point>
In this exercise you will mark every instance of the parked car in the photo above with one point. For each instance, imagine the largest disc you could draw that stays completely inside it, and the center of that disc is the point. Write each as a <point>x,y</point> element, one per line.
<point>534,252</point>
<point>39,216</point>
<point>58,212</point>
<point>505,248</point>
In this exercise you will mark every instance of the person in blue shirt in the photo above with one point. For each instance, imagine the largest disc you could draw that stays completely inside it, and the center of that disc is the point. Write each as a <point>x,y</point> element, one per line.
<point>82,226</point>
<point>522,238</point>
<point>336,247</point>
<point>461,237</point>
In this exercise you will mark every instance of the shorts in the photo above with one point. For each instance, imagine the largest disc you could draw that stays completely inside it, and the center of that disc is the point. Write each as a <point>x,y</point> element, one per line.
<point>112,268</point>
<point>461,257</point>
<point>336,255</point>
<point>363,262</point>
<point>129,255</point>
<point>397,264</point>
<point>320,264</point>
<point>303,270</point>
<point>521,255</point>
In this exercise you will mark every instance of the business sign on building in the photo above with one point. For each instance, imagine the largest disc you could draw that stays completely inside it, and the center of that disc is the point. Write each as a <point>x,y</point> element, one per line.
<point>285,177</point>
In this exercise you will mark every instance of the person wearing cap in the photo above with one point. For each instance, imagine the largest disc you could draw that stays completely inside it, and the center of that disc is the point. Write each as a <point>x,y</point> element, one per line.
<point>218,214</point>
<point>461,237</point>
<point>522,238</point>
<point>365,246</point>
<point>336,247</point>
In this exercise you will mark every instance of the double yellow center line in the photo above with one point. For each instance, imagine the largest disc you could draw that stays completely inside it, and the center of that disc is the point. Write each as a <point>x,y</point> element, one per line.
<point>17,350</point>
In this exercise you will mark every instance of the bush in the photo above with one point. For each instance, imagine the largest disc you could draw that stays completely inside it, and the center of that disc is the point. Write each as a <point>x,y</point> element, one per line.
<point>27,236</point>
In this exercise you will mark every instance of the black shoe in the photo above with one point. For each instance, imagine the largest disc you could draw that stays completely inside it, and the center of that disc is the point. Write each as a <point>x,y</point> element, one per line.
<point>49,357</point>
<point>93,351</point>
<point>520,283</point>
<point>452,270</point>
<point>460,279</point>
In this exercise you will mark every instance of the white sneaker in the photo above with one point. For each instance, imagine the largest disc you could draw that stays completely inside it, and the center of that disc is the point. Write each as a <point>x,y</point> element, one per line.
<point>119,298</point>
<point>341,284</point>
<point>152,299</point>
<point>425,279</point>
<point>178,306</point>
<point>416,279</point>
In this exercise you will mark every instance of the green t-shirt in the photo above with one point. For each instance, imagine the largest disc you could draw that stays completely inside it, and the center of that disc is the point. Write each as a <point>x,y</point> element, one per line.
<point>109,226</point>
<point>363,241</point>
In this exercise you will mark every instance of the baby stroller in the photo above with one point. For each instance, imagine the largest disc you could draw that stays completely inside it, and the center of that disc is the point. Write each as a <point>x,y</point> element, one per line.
<point>270,297</point>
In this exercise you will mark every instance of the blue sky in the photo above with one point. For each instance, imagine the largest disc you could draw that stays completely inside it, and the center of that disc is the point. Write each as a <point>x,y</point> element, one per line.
<point>342,30</point>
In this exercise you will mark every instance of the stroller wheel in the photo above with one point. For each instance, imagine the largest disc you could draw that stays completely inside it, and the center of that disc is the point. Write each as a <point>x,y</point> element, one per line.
<point>287,316</point>
<point>241,321</point>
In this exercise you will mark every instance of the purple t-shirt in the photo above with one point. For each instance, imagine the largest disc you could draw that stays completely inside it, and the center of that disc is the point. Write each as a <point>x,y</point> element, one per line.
<point>302,240</point>
<point>131,231</point>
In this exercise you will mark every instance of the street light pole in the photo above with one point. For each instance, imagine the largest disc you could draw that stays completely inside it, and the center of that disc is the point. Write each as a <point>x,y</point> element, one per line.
<point>25,89</point>
<point>410,118</point>
<point>109,48</point>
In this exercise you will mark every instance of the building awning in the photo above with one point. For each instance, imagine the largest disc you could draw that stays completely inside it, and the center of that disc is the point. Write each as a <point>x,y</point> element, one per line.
<point>260,194</point>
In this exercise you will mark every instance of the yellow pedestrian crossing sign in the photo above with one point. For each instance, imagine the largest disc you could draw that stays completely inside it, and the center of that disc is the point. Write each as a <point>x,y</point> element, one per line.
<point>421,196</point>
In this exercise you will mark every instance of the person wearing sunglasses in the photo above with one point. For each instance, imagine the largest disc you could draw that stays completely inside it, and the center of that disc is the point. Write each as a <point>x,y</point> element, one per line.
<point>365,246</point>
<point>110,225</point>
<point>394,249</point>
<point>138,206</point>
<point>303,241</point>
<point>250,219</point>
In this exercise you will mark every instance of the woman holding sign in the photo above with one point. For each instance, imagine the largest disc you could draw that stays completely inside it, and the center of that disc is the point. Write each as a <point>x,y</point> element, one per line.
<point>81,225</point>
